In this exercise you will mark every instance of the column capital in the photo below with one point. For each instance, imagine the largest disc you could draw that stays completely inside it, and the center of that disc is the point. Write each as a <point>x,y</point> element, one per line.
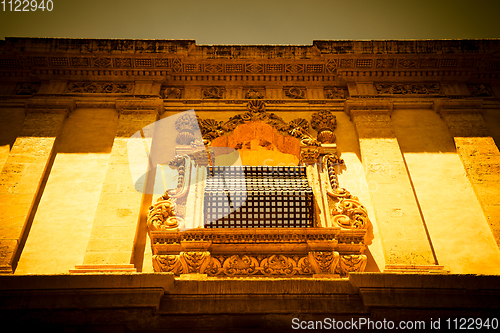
<point>445,106</point>
<point>370,106</point>
<point>50,105</point>
<point>132,106</point>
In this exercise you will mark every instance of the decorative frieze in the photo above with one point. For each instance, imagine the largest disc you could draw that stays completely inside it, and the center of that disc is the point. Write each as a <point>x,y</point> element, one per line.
<point>161,216</point>
<point>479,90</point>
<point>212,92</point>
<point>334,93</point>
<point>324,263</point>
<point>408,89</point>
<point>295,92</point>
<point>27,88</point>
<point>255,93</point>
<point>171,93</point>
<point>99,88</point>
<point>101,62</point>
<point>385,63</point>
<point>80,61</point>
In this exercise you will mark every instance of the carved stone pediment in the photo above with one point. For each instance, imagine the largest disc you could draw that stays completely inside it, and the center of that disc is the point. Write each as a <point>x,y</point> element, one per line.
<point>211,129</point>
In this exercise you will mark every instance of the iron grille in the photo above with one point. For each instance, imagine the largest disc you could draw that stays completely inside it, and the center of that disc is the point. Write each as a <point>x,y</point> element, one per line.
<point>257,197</point>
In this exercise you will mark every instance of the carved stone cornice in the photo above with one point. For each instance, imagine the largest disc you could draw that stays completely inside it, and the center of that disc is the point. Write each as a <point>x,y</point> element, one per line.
<point>324,60</point>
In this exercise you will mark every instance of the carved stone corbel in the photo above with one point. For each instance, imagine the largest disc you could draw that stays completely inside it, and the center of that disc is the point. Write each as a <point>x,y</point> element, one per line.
<point>323,262</point>
<point>194,262</point>
<point>352,263</point>
<point>183,263</point>
<point>309,155</point>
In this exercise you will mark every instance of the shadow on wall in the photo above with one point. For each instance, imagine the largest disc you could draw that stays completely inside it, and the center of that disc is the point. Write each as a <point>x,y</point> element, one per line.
<point>11,121</point>
<point>88,131</point>
<point>420,131</point>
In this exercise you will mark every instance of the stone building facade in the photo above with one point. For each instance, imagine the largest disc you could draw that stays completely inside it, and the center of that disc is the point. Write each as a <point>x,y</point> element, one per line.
<point>396,142</point>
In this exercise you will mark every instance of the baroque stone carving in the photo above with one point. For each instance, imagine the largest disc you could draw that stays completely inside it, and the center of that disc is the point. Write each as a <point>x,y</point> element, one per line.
<point>27,88</point>
<point>186,125</point>
<point>334,93</point>
<point>184,263</point>
<point>323,262</point>
<point>168,212</point>
<point>254,94</point>
<point>123,62</point>
<point>212,92</point>
<point>346,209</point>
<point>172,93</point>
<point>385,63</point>
<point>203,262</point>
<point>99,88</point>
<point>161,216</point>
<point>294,68</point>
<point>331,65</point>
<point>233,265</point>
<point>249,236</point>
<point>407,63</point>
<point>295,92</point>
<point>351,263</point>
<point>479,90</point>
<point>309,155</point>
<point>177,65</point>
<point>211,129</point>
<point>408,89</point>
<point>102,62</point>
<point>254,68</point>
<point>324,122</point>
<point>80,62</point>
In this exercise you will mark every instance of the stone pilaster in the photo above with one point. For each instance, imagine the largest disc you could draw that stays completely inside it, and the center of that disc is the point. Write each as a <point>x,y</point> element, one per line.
<point>402,230</point>
<point>23,173</point>
<point>120,206</point>
<point>479,154</point>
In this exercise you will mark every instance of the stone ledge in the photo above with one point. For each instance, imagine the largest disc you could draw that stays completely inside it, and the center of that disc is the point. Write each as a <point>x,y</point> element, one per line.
<point>86,281</point>
<point>103,268</point>
<point>82,298</point>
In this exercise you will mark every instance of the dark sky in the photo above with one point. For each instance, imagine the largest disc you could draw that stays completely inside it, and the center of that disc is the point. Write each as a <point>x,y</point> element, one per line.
<point>257,21</point>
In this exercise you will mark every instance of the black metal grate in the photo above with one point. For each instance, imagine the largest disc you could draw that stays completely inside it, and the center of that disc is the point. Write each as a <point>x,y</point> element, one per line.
<point>257,197</point>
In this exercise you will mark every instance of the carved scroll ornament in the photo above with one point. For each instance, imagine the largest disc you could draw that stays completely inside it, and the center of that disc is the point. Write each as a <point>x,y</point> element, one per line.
<point>211,129</point>
<point>346,209</point>
<point>168,213</point>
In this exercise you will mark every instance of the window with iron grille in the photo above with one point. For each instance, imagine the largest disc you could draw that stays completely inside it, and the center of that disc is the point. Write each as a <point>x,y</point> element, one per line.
<point>258,197</point>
